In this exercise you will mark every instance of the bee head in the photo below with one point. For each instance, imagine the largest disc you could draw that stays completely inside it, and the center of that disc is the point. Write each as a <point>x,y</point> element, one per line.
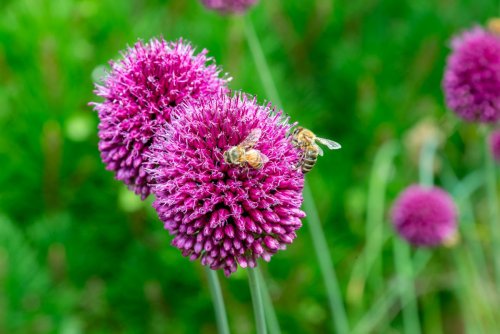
<point>231,155</point>
<point>297,130</point>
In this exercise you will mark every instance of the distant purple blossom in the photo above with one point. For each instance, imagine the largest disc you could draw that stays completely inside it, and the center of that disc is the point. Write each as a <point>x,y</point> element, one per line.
<point>424,216</point>
<point>495,145</point>
<point>229,6</point>
<point>140,93</point>
<point>226,214</point>
<point>472,76</point>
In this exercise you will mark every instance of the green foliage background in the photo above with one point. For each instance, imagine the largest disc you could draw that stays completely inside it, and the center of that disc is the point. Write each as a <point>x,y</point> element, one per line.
<point>81,254</point>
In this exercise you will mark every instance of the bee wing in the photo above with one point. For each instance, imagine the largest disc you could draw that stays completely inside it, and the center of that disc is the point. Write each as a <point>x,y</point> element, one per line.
<point>264,157</point>
<point>332,145</point>
<point>252,138</point>
<point>320,150</point>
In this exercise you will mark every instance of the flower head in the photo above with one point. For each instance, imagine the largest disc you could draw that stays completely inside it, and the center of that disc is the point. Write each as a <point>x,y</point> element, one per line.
<point>424,216</point>
<point>140,92</point>
<point>472,76</point>
<point>229,6</point>
<point>226,214</point>
<point>495,144</point>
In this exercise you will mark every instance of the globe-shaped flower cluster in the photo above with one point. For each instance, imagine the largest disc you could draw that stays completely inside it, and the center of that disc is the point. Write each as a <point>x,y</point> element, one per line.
<point>424,216</point>
<point>223,213</point>
<point>472,76</point>
<point>140,93</point>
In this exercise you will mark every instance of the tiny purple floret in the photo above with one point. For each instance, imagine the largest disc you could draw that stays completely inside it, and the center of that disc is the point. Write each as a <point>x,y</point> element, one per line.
<point>495,145</point>
<point>424,216</point>
<point>140,92</point>
<point>472,76</point>
<point>229,6</point>
<point>220,213</point>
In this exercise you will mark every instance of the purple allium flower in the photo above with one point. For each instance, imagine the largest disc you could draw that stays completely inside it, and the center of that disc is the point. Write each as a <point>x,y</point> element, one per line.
<point>229,6</point>
<point>495,144</point>
<point>140,93</point>
<point>472,76</point>
<point>226,214</point>
<point>424,216</point>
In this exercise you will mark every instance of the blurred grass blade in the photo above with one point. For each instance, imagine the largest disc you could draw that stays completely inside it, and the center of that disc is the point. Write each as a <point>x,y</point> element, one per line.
<point>380,310</point>
<point>258,305</point>
<point>463,191</point>
<point>220,309</point>
<point>379,178</point>
<point>432,322</point>
<point>493,204</point>
<point>478,313</point>
<point>369,266</point>
<point>21,277</point>
<point>469,228</point>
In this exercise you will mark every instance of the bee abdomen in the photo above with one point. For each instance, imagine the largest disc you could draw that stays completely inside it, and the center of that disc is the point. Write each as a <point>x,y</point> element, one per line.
<point>309,160</point>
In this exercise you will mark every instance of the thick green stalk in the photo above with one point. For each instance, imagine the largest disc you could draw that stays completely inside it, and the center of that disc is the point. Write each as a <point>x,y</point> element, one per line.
<point>491,188</point>
<point>337,309</point>
<point>402,256</point>
<point>426,163</point>
<point>220,309</point>
<point>261,63</point>
<point>258,306</point>
<point>404,268</point>
<point>271,318</point>
<point>339,316</point>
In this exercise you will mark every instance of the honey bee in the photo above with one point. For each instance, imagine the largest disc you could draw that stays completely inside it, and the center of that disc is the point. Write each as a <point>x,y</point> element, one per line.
<point>245,153</point>
<point>305,140</point>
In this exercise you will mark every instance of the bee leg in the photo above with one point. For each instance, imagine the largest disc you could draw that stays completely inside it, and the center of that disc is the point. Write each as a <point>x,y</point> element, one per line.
<point>298,165</point>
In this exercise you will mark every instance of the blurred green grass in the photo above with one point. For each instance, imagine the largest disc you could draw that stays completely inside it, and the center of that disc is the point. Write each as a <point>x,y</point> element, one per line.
<point>79,254</point>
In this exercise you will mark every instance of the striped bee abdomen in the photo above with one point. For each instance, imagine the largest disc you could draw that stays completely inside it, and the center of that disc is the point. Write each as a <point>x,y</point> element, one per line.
<point>309,159</point>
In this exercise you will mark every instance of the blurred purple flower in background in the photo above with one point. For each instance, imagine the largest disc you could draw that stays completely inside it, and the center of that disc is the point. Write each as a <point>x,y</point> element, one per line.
<point>229,6</point>
<point>472,76</point>
<point>139,94</point>
<point>226,214</point>
<point>495,144</point>
<point>424,216</point>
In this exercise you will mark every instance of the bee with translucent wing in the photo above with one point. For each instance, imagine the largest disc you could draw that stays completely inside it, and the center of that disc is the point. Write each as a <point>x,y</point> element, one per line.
<point>244,153</point>
<point>305,140</point>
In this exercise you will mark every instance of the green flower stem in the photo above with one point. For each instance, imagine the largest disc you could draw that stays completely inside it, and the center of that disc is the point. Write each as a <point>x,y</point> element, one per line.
<point>220,309</point>
<point>404,268</point>
<point>339,316</point>
<point>337,309</point>
<point>271,318</point>
<point>491,188</point>
<point>258,306</point>
<point>402,253</point>
<point>426,163</point>
<point>261,63</point>
<point>432,322</point>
